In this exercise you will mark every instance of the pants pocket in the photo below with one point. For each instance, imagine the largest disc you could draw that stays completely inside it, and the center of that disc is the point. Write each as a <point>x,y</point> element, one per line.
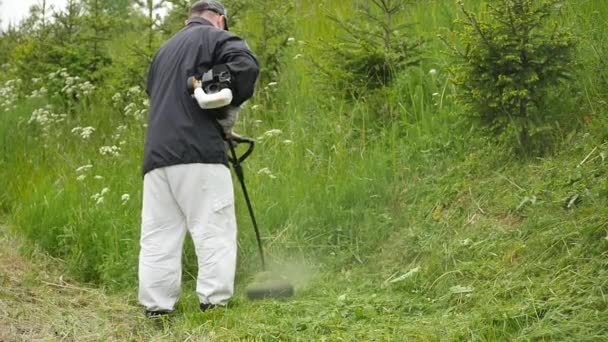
<point>222,216</point>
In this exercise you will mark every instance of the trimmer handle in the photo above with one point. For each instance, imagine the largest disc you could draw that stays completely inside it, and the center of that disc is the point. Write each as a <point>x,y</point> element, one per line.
<point>240,140</point>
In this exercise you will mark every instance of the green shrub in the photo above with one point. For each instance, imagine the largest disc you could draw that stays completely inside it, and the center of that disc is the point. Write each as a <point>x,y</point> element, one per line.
<point>510,64</point>
<point>374,46</point>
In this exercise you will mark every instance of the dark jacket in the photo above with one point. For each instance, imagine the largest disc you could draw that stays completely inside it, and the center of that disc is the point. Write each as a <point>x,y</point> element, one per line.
<point>179,131</point>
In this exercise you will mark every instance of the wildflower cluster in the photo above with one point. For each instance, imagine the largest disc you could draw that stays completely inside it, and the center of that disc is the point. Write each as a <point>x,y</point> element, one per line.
<point>117,136</point>
<point>113,151</point>
<point>81,171</point>
<point>70,86</point>
<point>134,103</point>
<point>271,133</point>
<point>45,118</point>
<point>99,197</point>
<point>8,94</point>
<point>38,93</point>
<point>83,132</point>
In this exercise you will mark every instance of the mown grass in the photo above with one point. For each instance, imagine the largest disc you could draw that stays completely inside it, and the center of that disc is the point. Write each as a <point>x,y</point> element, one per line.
<point>413,227</point>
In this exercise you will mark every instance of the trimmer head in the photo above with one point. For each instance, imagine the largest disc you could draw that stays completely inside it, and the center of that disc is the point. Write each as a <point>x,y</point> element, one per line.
<point>268,285</point>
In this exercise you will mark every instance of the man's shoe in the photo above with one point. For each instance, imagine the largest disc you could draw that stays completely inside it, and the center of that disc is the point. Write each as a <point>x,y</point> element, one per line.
<point>204,307</point>
<point>155,314</point>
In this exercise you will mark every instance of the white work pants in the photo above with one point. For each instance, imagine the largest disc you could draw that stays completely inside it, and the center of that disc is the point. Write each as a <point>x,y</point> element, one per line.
<point>197,198</point>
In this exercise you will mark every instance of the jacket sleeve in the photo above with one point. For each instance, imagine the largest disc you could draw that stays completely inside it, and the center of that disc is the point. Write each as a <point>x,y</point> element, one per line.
<point>243,65</point>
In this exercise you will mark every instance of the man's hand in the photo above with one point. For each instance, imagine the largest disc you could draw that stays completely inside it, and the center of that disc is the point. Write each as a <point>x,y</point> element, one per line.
<point>232,114</point>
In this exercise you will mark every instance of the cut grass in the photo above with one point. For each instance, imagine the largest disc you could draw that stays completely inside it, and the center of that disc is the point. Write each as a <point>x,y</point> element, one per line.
<point>40,302</point>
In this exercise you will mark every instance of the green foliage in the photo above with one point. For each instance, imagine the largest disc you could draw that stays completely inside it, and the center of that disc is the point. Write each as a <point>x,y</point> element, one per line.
<point>97,24</point>
<point>270,28</point>
<point>152,20</point>
<point>74,38</point>
<point>373,47</point>
<point>177,15</point>
<point>8,40</point>
<point>511,63</point>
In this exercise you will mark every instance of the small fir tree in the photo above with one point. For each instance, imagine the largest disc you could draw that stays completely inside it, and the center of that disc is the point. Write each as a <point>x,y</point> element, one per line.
<point>373,46</point>
<point>509,63</point>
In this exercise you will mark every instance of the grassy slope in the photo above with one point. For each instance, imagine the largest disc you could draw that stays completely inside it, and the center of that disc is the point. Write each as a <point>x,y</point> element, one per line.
<point>486,269</point>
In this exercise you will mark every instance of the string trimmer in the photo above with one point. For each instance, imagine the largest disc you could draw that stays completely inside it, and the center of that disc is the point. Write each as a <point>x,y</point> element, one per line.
<point>211,90</point>
<point>266,284</point>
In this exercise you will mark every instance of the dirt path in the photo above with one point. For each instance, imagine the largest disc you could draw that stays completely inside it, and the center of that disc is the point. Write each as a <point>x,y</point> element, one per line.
<point>37,302</point>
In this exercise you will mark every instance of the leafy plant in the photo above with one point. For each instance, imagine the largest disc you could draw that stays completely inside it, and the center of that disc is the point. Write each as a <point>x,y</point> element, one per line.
<point>275,26</point>
<point>374,46</point>
<point>508,64</point>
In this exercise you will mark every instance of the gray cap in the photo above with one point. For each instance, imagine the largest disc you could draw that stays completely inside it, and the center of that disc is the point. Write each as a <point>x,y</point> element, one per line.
<point>213,6</point>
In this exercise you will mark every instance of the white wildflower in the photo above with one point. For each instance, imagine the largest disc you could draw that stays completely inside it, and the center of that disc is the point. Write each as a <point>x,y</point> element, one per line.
<point>134,90</point>
<point>86,88</point>
<point>287,142</point>
<point>130,109</point>
<point>299,55</point>
<point>38,93</point>
<point>84,168</point>
<point>125,198</point>
<point>255,107</point>
<point>81,178</point>
<point>104,191</point>
<point>86,132</point>
<point>291,39</point>
<point>433,71</point>
<point>110,150</point>
<point>273,132</point>
<point>98,197</point>
<point>116,100</point>
<point>435,94</point>
<point>272,84</point>
<point>98,177</point>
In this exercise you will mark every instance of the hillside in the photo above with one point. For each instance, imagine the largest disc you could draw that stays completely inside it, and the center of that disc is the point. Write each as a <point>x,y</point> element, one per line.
<point>480,252</point>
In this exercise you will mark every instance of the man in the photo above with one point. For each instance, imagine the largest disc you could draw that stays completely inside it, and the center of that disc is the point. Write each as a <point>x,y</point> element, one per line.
<point>187,183</point>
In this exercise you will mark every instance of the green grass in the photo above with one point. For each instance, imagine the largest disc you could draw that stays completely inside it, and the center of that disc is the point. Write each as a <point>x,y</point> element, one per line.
<point>413,227</point>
